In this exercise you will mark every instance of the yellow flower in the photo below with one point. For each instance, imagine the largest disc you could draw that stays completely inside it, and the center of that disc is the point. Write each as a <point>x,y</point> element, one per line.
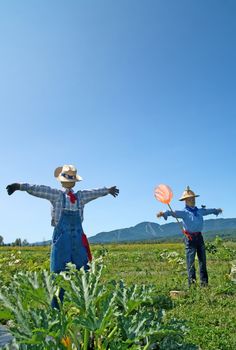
<point>66,342</point>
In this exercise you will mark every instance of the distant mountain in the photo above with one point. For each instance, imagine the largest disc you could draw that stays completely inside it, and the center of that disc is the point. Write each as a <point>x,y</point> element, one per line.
<point>151,231</point>
<point>146,231</point>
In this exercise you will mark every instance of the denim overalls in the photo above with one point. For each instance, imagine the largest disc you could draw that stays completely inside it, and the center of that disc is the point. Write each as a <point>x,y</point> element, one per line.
<point>68,241</point>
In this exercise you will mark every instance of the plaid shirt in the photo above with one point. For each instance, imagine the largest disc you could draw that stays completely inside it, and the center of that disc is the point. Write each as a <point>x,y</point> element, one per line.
<point>55,196</point>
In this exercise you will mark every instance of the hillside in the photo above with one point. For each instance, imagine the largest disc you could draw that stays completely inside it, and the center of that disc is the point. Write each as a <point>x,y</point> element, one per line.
<point>153,231</point>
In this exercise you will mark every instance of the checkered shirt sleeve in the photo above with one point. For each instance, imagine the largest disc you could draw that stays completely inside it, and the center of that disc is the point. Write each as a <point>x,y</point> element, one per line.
<point>86,196</point>
<point>41,191</point>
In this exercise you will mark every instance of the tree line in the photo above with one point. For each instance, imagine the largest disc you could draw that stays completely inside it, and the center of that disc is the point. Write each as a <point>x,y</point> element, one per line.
<point>17,243</point>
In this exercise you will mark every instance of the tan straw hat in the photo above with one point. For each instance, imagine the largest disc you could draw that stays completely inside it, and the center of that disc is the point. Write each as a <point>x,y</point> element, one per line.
<point>67,173</point>
<point>188,194</point>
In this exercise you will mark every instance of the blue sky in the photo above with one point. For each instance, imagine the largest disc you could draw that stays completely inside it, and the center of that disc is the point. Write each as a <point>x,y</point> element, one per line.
<point>134,93</point>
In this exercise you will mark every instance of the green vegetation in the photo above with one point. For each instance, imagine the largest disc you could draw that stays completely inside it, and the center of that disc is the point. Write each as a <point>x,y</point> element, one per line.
<point>124,303</point>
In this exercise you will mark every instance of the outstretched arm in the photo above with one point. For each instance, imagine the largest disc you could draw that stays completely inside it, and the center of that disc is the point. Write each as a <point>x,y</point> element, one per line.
<point>180,214</point>
<point>89,195</point>
<point>214,211</point>
<point>40,191</point>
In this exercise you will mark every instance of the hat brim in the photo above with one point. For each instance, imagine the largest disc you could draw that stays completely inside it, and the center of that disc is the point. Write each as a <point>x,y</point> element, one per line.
<point>63,179</point>
<point>187,197</point>
<point>57,174</point>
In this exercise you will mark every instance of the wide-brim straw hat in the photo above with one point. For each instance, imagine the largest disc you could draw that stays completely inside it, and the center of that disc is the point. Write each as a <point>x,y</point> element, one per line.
<point>188,194</point>
<point>67,173</point>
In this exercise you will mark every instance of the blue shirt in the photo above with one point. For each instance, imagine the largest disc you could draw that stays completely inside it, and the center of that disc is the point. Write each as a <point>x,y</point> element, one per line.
<point>192,217</point>
<point>55,196</point>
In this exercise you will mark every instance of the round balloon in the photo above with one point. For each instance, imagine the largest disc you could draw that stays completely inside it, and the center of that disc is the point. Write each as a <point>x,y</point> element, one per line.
<point>163,193</point>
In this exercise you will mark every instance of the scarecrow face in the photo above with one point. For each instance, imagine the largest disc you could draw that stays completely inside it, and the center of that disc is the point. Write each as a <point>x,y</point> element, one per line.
<point>190,202</point>
<point>68,185</point>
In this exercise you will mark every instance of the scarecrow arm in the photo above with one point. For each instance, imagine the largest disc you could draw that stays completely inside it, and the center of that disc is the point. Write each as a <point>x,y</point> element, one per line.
<point>180,214</point>
<point>41,191</point>
<point>205,212</point>
<point>88,195</point>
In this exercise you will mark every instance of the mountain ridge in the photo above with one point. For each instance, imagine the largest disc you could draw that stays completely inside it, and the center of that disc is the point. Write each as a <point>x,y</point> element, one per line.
<point>153,231</point>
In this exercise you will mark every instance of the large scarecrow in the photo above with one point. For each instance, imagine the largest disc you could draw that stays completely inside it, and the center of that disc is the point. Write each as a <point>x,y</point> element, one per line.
<point>192,218</point>
<point>69,243</point>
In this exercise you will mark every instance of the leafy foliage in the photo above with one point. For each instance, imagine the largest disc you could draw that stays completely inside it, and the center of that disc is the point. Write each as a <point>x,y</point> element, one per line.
<point>208,313</point>
<point>94,315</point>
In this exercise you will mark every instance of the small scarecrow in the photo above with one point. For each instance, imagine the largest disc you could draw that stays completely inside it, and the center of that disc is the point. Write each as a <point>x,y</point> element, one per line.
<point>69,243</point>
<point>192,218</point>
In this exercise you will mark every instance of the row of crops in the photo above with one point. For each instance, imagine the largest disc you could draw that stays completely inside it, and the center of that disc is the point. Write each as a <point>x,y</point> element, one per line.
<point>124,302</point>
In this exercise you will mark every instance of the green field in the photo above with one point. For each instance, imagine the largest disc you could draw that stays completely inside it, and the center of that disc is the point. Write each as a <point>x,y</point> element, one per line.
<point>209,314</point>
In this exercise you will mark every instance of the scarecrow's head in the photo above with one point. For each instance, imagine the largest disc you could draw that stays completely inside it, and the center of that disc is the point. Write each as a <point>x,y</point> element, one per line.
<point>189,197</point>
<point>67,175</point>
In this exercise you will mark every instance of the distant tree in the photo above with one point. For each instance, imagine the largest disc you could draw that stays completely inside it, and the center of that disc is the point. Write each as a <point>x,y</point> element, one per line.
<point>25,243</point>
<point>17,242</point>
<point>1,240</point>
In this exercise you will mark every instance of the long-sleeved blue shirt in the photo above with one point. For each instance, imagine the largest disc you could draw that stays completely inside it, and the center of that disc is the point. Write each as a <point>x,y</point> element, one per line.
<point>192,217</point>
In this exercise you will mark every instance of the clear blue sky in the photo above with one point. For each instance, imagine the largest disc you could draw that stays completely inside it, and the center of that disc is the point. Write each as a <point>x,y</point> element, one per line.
<point>134,93</point>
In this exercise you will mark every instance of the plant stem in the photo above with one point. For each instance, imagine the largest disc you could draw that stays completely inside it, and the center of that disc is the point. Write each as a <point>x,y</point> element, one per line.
<point>112,332</point>
<point>147,345</point>
<point>86,339</point>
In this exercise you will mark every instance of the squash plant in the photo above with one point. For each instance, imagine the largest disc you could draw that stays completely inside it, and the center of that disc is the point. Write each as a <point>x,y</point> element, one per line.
<point>93,315</point>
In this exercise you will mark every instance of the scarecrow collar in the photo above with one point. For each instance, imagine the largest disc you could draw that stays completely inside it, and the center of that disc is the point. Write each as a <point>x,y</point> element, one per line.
<point>67,190</point>
<point>193,210</point>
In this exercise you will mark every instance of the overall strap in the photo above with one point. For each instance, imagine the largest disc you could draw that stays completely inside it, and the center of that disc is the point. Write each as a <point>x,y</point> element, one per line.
<point>63,200</point>
<point>77,199</point>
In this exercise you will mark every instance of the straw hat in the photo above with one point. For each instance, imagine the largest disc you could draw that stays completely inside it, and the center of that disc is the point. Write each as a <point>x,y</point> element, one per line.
<point>188,194</point>
<point>67,173</point>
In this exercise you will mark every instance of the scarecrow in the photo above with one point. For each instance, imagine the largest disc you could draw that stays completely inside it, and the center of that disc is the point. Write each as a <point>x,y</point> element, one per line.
<point>192,218</point>
<point>69,243</point>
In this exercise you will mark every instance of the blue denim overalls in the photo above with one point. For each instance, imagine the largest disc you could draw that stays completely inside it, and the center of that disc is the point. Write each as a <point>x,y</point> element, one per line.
<point>67,245</point>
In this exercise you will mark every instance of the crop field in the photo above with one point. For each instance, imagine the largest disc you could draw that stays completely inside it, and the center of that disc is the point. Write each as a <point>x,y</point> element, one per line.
<point>126,301</point>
